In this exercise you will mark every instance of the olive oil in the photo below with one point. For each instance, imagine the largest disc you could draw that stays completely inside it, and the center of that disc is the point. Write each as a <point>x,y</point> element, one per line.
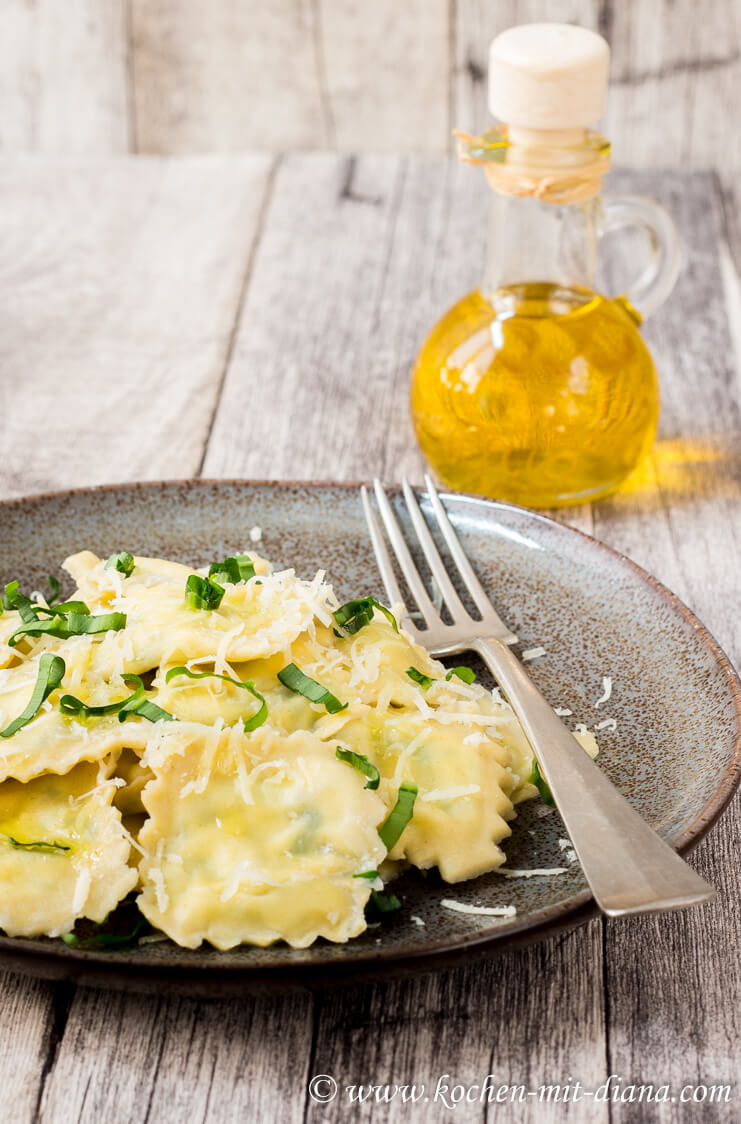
<point>541,394</point>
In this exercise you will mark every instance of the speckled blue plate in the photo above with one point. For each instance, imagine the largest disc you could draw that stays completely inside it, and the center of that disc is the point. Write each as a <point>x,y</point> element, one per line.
<point>675,698</point>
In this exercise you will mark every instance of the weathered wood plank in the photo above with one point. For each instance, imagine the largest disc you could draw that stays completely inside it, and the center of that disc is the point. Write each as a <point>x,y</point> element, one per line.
<point>32,1015</point>
<point>117,319</point>
<point>528,1018</point>
<point>227,75</point>
<point>291,74</point>
<point>129,1058</point>
<point>674,1013</point>
<point>64,81</point>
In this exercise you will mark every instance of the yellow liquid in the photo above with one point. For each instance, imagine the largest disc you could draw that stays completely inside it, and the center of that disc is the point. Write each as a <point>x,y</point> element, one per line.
<point>553,403</point>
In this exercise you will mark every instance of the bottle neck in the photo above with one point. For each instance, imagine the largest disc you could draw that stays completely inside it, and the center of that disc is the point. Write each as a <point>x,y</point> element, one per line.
<point>535,242</point>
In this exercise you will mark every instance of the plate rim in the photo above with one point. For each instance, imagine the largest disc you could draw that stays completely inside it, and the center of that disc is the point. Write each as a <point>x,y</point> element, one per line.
<point>445,951</point>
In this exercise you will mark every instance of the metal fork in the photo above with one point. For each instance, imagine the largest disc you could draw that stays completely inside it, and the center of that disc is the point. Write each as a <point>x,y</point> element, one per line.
<point>628,867</point>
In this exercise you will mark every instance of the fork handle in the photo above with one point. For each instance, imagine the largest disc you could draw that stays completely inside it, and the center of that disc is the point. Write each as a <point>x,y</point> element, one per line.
<point>628,867</point>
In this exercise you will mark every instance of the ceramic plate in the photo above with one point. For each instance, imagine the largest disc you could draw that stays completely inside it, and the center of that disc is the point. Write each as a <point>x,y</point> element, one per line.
<point>675,700</point>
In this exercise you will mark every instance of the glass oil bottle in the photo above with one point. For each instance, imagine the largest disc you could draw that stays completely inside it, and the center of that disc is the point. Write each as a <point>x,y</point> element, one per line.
<point>536,388</point>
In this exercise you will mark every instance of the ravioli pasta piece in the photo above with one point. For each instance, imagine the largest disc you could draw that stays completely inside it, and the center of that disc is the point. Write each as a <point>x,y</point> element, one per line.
<point>9,622</point>
<point>463,804</point>
<point>63,852</point>
<point>254,619</point>
<point>54,742</point>
<point>255,839</point>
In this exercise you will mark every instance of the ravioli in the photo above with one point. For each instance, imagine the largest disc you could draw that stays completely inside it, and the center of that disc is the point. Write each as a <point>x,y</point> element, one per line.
<point>63,852</point>
<point>255,839</point>
<point>255,618</point>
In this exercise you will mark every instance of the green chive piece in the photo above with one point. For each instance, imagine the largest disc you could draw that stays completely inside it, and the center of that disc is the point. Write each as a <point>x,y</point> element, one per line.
<point>354,615</point>
<point>369,874</point>
<point>51,673</point>
<point>238,568</point>
<point>69,704</point>
<point>201,593</point>
<point>140,706</point>
<point>106,940</point>
<point>293,678</point>
<point>424,681</point>
<point>123,562</point>
<point>54,587</point>
<point>380,905</point>
<point>66,623</point>
<point>249,723</point>
<point>362,764</point>
<point>464,673</point>
<point>23,605</point>
<point>399,816</point>
<point>536,779</point>
<point>39,845</point>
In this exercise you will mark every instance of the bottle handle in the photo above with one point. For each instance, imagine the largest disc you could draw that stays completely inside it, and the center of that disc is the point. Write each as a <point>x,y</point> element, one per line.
<point>658,277</point>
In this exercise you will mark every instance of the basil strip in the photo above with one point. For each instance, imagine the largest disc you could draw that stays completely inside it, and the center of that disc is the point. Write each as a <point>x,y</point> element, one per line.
<point>54,587</point>
<point>380,905</point>
<point>201,593</point>
<point>424,681</point>
<point>354,615</point>
<point>399,816</point>
<point>249,723</point>
<point>40,845</point>
<point>140,706</point>
<point>70,704</point>
<point>536,779</point>
<point>14,599</point>
<point>105,940</point>
<point>72,623</point>
<point>123,562</point>
<point>464,673</point>
<point>362,764</point>
<point>238,568</point>
<point>293,678</point>
<point>369,874</point>
<point>51,673</point>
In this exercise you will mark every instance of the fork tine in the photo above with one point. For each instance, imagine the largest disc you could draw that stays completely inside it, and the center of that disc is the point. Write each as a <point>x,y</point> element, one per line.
<point>383,561</point>
<point>404,558</point>
<point>440,574</point>
<point>474,586</point>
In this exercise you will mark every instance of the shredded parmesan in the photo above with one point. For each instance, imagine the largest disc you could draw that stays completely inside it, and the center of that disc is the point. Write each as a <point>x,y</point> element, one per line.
<point>255,533</point>
<point>537,872</point>
<point>606,691</point>
<point>418,921</point>
<point>451,793</point>
<point>479,910</point>
<point>606,724</point>
<point>532,654</point>
<point>562,711</point>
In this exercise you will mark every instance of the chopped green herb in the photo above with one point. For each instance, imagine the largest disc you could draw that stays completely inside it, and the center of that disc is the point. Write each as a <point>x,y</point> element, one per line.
<point>369,874</point>
<point>536,779</point>
<point>51,673</point>
<point>106,940</point>
<point>141,706</point>
<point>123,562</point>
<point>201,593</point>
<point>137,704</point>
<point>293,678</point>
<point>69,620</point>
<point>23,605</point>
<point>54,587</point>
<point>239,568</point>
<point>464,673</point>
<point>354,615</point>
<point>380,905</point>
<point>362,764</point>
<point>399,816</point>
<point>39,845</point>
<point>424,681</point>
<point>249,723</point>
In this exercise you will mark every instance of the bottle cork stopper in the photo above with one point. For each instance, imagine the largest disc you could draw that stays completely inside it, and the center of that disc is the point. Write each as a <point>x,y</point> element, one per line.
<point>548,77</point>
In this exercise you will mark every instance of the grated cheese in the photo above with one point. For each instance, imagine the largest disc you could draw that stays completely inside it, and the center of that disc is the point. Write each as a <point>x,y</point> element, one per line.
<point>451,793</point>
<point>606,724</point>
<point>418,921</point>
<point>537,872</point>
<point>532,654</point>
<point>255,533</point>
<point>606,691</point>
<point>562,711</point>
<point>479,910</point>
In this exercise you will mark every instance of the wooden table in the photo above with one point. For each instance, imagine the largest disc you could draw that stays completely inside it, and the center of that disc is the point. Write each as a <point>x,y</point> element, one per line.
<point>257,317</point>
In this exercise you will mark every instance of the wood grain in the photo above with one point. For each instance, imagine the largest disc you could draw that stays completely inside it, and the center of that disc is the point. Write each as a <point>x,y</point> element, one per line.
<point>64,76</point>
<point>117,316</point>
